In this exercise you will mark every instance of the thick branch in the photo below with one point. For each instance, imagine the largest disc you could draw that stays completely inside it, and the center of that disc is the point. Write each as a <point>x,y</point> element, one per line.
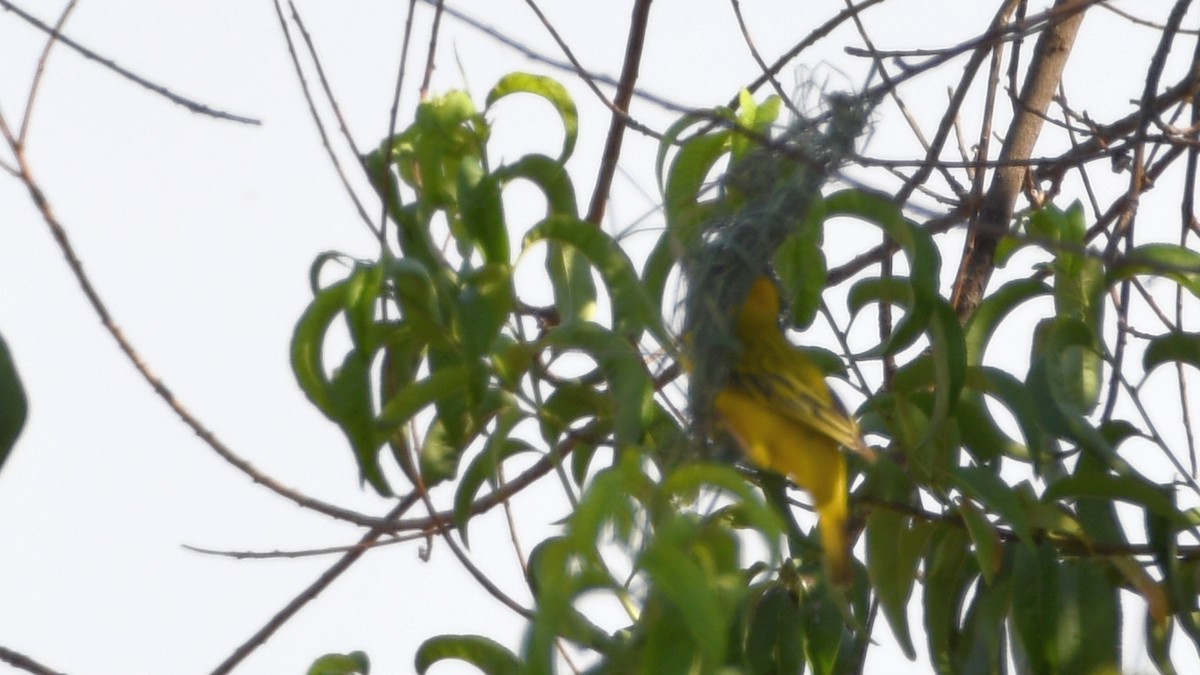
<point>991,223</point>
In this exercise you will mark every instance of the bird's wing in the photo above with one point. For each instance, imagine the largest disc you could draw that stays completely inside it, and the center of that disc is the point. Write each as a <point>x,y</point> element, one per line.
<point>795,400</point>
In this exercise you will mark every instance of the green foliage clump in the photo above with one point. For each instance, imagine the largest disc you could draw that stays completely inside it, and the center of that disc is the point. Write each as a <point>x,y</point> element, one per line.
<point>440,340</point>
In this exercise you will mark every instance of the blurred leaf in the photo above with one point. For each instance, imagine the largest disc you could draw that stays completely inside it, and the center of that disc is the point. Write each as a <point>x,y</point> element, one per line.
<point>1035,607</point>
<point>824,630</point>
<point>13,404</point>
<point>569,403</point>
<point>1089,618</point>
<point>1074,377</point>
<point>412,222</point>
<point>986,539</point>
<point>688,480</point>
<point>487,655</point>
<point>308,339</point>
<point>681,580</point>
<point>984,486</point>
<point>1158,644</point>
<point>1013,393</point>
<point>994,309</point>
<point>354,411</point>
<point>632,309</point>
<point>354,663</point>
<point>800,264</point>
<point>895,543</point>
<point>629,385</point>
<point>982,646</point>
<point>485,467</point>
<point>924,261</point>
<point>410,400</point>
<point>448,438</point>
<point>550,177</point>
<point>550,90</point>
<point>981,435</point>
<point>681,191</point>
<point>948,574</point>
<point>1128,488</point>
<point>1177,263</point>
<point>1176,346</point>
<point>1052,398</point>
<point>774,643</point>
<point>418,299</point>
<point>484,305</point>
<point>482,212</point>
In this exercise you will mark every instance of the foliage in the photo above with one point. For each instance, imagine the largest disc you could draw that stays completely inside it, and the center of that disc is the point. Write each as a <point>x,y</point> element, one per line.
<point>1033,565</point>
<point>13,406</point>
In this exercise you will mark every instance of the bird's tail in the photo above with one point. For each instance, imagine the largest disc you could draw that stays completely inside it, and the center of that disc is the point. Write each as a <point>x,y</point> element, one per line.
<point>834,539</point>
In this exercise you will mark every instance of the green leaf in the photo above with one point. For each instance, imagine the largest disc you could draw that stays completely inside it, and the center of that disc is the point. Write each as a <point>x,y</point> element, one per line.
<point>1089,618</point>
<point>13,404</point>
<point>499,448</point>
<point>687,585</point>
<point>485,654</point>
<point>923,259</point>
<point>688,480</point>
<point>982,646</point>
<point>484,304</point>
<point>1052,397</point>
<point>948,574</point>
<point>549,176</point>
<point>569,403</point>
<point>1073,363</point>
<point>774,642</point>
<point>353,410</point>
<point>1015,396</point>
<point>980,434</point>
<point>985,538</point>
<point>1177,263</point>
<point>894,546</point>
<point>308,339</point>
<point>629,385</point>
<point>800,264</point>
<point>1158,644</point>
<point>1035,608</point>
<point>994,309</point>
<point>412,222</point>
<point>681,191</point>
<point>1127,488</point>
<point>550,90</point>
<point>633,310</point>
<point>482,212</point>
<point>984,486</point>
<point>824,630</point>
<point>1175,346</point>
<point>410,400</point>
<point>354,663</point>
<point>418,299</point>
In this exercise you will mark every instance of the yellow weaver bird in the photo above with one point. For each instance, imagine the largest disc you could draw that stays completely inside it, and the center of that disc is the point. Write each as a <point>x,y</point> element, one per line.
<point>778,407</point>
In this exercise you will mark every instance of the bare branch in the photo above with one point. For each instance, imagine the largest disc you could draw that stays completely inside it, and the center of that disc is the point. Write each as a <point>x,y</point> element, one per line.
<point>125,73</point>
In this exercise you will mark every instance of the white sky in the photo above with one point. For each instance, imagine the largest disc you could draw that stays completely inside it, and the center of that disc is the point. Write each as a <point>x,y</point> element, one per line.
<point>199,235</point>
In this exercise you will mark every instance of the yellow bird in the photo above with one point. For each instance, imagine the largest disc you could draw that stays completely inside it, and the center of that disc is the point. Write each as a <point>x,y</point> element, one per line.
<point>778,407</point>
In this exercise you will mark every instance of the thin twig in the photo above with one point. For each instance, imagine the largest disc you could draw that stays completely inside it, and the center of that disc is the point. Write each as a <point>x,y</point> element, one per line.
<point>312,107</point>
<point>111,65</point>
<point>430,58</point>
<point>42,203</point>
<point>587,78</point>
<point>40,70</point>
<point>313,590</point>
<point>616,129</point>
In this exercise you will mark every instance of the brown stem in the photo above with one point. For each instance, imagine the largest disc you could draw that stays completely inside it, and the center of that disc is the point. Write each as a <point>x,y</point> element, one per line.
<point>616,130</point>
<point>991,223</point>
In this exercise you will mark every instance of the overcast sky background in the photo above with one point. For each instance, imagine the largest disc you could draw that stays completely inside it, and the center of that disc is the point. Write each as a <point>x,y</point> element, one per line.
<point>199,234</point>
